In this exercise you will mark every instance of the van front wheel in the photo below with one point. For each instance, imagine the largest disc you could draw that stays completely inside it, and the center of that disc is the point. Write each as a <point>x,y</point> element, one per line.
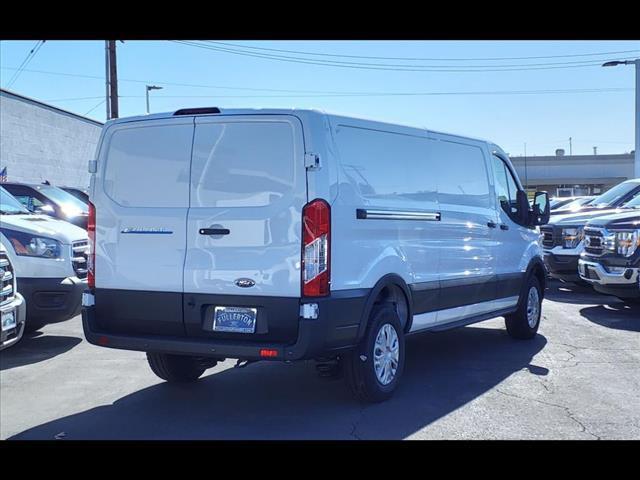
<point>374,368</point>
<point>523,323</point>
<point>175,368</point>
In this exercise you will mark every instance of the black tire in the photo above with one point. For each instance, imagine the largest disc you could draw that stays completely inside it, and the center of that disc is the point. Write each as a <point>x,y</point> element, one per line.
<point>359,364</point>
<point>31,325</point>
<point>517,323</point>
<point>175,368</point>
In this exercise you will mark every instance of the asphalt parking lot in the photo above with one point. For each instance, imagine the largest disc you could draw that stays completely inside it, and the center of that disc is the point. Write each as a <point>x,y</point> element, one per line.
<point>578,379</point>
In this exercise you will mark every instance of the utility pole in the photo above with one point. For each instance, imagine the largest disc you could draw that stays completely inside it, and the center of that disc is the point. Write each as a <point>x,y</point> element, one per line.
<point>635,62</point>
<point>526,177</point>
<point>106,78</point>
<point>113,79</point>
<point>570,147</point>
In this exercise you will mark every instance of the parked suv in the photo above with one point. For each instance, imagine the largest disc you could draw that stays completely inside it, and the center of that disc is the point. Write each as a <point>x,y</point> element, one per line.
<point>50,200</point>
<point>562,238</point>
<point>611,257</point>
<point>50,258</point>
<point>12,306</point>
<point>81,194</point>
<point>294,234</point>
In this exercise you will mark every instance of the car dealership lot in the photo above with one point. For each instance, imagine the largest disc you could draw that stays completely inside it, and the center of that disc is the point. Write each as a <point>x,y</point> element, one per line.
<point>578,379</point>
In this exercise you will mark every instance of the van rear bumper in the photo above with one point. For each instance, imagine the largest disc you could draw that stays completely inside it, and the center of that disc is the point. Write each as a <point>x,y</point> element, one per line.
<point>335,329</point>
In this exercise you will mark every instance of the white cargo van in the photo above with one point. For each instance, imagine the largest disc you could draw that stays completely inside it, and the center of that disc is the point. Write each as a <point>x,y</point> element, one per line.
<point>294,234</point>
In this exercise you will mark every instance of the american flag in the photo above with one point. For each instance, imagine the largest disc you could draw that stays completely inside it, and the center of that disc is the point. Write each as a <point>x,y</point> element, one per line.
<point>3,175</point>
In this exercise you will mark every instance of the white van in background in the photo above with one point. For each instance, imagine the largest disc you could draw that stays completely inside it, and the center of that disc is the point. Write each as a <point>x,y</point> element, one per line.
<point>294,234</point>
<point>50,258</point>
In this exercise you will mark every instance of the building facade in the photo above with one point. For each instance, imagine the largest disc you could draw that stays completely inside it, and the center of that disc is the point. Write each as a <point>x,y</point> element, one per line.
<point>574,175</point>
<point>41,142</point>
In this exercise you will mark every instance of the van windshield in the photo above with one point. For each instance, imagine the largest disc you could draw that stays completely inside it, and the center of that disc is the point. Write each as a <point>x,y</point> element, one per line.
<point>9,205</point>
<point>613,195</point>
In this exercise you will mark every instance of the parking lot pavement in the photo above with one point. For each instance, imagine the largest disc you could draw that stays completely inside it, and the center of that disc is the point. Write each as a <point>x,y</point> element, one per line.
<point>578,379</point>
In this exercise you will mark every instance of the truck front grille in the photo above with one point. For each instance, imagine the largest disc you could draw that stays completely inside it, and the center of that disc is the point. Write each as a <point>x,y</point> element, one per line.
<point>6,279</point>
<point>80,254</point>
<point>549,239</point>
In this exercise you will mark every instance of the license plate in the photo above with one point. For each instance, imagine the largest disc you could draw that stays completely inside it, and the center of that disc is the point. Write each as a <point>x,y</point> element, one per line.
<point>234,319</point>
<point>8,321</point>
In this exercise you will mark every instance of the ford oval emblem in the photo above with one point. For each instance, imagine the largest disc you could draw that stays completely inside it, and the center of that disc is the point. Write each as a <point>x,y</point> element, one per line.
<point>245,282</point>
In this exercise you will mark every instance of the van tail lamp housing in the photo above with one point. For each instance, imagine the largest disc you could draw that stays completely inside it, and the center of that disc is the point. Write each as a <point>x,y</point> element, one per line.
<point>316,248</point>
<point>91,230</point>
<point>268,353</point>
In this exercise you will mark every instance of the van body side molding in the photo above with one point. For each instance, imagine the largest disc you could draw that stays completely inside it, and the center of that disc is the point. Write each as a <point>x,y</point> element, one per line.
<point>366,214</point>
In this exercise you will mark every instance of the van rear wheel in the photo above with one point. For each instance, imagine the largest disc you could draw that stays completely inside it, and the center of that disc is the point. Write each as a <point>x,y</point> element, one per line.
<point>175,368</point>
<point>373,369</point>
<point>523,323</point>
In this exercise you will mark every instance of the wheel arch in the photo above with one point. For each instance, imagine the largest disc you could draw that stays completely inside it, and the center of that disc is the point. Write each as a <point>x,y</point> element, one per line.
<point>535,268</point>
<point>387,288</point>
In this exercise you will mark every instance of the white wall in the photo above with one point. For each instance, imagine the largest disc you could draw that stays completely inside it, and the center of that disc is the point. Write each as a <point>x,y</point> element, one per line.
<point>39,143</point>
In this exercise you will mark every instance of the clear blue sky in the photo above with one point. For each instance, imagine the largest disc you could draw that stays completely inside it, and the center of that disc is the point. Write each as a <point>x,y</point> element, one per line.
<point>544,121</point>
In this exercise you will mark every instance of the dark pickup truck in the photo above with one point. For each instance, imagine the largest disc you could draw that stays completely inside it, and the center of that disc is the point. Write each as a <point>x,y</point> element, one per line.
<point>562,238</point>
<point>611,258</point>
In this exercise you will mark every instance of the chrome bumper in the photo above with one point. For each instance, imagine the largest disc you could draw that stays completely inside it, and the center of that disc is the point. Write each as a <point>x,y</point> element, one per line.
<point>605,277</point>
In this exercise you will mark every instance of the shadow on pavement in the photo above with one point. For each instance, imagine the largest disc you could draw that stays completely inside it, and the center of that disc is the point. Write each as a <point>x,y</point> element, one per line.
<point>276,401</point>
<point>577,294</point>
<point>34,348</point>
<point>619,316</point>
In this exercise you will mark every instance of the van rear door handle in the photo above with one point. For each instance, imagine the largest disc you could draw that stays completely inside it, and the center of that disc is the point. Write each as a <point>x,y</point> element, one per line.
<point>214,231</point>
<point>504,227</point>
<point>491,224</point>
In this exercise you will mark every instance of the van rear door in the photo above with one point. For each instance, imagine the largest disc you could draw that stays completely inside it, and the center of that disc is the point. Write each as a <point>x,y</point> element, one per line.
<point>141,193</point>
<point>247,191</point>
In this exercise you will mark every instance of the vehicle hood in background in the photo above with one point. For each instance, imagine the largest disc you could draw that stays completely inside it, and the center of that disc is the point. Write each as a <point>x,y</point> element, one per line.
<point>46,226</point>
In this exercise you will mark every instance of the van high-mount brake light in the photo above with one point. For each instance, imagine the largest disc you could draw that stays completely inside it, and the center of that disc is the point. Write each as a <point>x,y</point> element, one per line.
<point>197,111</point>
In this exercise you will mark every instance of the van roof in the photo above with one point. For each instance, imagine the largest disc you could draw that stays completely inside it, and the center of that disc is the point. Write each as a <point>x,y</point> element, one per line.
<point>302,112</point>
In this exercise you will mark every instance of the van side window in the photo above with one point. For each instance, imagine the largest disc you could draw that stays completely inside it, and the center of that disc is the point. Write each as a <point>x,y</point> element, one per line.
<point>462,174</point>
<point>387,168</point>
<point>506,187</point>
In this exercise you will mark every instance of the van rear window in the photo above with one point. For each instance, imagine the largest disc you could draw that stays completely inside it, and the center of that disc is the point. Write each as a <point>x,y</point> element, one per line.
<point>148,166</point>
<point>242,164</point>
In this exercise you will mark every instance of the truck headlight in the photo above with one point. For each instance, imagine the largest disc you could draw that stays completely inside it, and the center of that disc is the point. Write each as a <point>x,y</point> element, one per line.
<point>627,242</point>
<point>29,245</point>
<point>571,237</point>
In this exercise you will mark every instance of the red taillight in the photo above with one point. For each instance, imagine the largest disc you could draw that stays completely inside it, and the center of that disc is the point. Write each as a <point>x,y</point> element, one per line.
<point>268,353</point>
<point>91,230</point>
<point>316,242</point>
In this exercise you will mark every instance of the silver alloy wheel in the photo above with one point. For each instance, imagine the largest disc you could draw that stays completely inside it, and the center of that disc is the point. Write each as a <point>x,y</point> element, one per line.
<point>533,307</point>
<point>386,354</point>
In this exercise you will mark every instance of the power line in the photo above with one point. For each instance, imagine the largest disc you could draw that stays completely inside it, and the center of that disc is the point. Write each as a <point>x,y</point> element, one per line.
<point>100,103</point>
<point>370,94</point>
<point>397,68</point>
<point>420,58</point>
<point>25,62</point>
<point>320,93</point>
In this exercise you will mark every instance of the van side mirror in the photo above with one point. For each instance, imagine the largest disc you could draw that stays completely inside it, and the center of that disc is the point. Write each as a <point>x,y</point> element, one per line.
<point>523,207</point>
<point>541,209</point>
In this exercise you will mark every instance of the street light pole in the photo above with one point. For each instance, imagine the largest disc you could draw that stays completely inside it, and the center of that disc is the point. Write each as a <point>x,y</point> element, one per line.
<point>636,62</point>
<point>150,87</point>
